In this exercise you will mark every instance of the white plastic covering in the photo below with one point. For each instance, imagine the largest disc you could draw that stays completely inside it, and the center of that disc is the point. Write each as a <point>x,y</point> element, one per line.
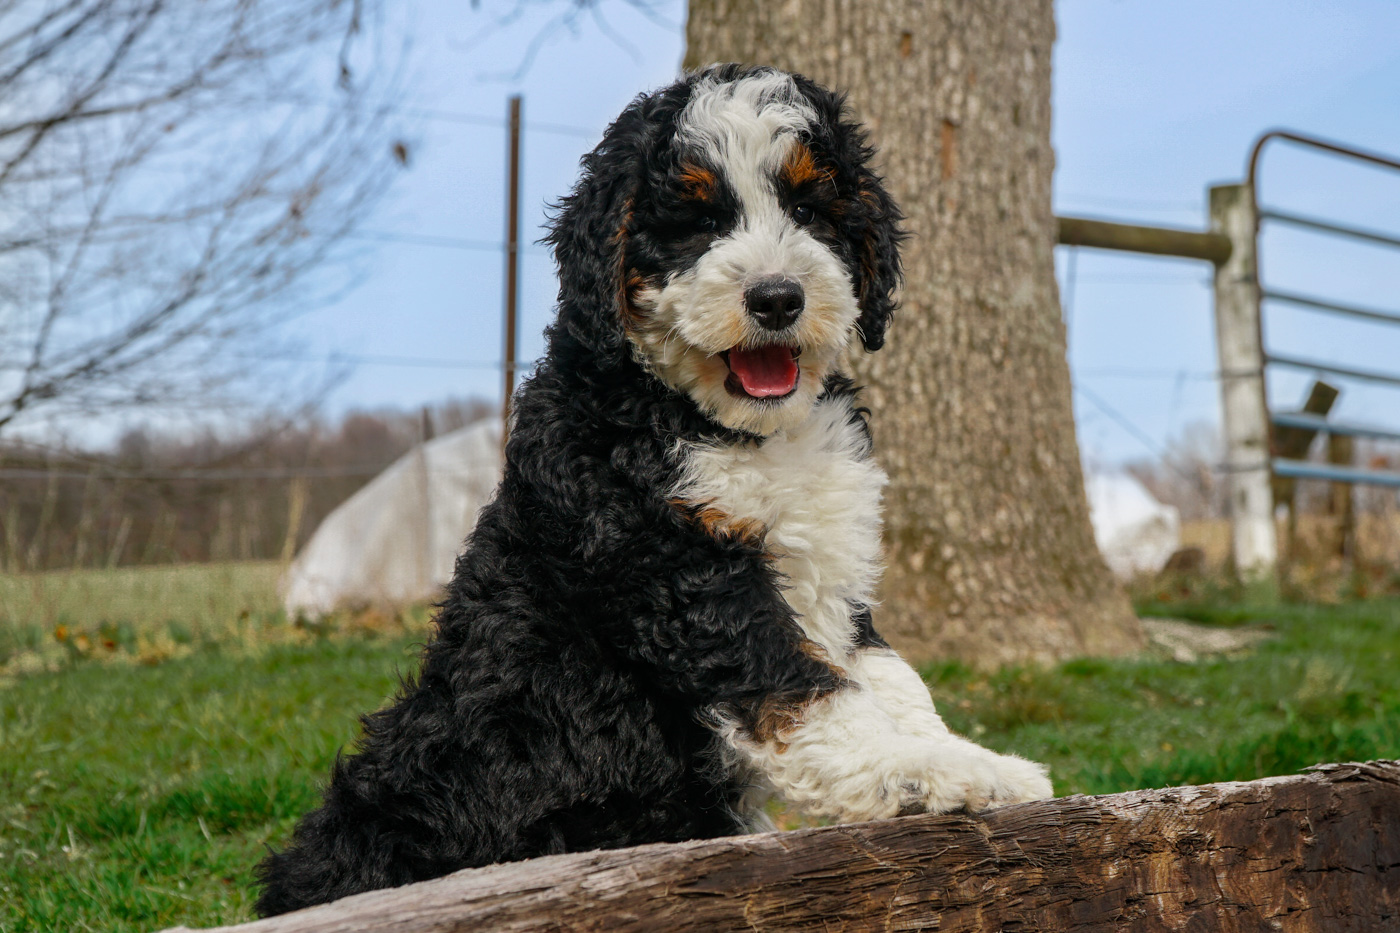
<point>1135,532</point>
<point>396,539</point>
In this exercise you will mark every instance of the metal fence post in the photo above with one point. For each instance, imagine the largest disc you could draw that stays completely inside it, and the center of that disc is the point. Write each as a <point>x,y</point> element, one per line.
<point>1239,348</point>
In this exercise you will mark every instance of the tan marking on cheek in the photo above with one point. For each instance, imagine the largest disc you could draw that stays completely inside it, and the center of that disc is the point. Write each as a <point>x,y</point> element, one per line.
<point>698,184</point>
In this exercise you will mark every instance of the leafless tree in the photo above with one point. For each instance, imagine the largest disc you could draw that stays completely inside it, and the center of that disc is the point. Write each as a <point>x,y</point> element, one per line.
<point>567,16</point>
<point>168,172</point>
<point>1186,475</point>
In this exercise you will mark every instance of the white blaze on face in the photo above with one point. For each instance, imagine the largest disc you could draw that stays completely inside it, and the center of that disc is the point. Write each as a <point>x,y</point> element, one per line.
<point>745,130</point>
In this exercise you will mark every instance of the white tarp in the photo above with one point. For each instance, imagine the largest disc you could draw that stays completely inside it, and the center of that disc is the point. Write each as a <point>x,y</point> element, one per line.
<point>1135,532</point>
<point>396,539</point>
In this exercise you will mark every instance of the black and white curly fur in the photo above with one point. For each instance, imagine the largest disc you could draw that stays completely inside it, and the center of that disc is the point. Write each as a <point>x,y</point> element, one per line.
<point>664,615</point>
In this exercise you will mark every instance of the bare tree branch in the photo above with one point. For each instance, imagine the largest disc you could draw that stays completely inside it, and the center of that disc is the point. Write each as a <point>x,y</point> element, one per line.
<point>569,18</point>
<point>165,187</point>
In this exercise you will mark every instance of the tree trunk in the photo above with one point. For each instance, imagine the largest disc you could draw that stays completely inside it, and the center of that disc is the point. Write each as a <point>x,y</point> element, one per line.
<point>991,554</point>
<point>1318,853</point>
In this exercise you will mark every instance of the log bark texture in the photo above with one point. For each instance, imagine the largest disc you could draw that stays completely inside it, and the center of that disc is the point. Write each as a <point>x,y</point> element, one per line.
<point>991,555</point>
<point>1315,852</point>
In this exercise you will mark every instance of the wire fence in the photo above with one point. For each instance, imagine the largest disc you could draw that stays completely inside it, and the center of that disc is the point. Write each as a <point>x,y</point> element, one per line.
<point>166,499</point>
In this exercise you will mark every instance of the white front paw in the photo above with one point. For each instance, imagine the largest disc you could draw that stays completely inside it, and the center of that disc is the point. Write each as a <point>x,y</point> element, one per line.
<point>1015,780</point>
<point>967,776</point>
<point>849,760</point>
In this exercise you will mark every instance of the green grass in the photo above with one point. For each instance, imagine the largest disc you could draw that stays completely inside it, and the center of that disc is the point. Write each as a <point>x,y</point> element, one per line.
<point>1325,688</point>
<point>137,791</point>
<point>134,797</point>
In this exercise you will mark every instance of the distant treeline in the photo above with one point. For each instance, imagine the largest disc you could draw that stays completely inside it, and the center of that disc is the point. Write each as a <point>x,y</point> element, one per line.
<point>159,498</point>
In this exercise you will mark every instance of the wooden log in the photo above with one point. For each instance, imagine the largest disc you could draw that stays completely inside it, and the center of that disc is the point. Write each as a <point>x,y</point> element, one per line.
<point>1312,852</point>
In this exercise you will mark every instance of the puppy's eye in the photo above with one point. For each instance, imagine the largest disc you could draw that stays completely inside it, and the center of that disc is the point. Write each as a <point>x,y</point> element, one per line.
<point>705,223</point>
<point>802,215</point>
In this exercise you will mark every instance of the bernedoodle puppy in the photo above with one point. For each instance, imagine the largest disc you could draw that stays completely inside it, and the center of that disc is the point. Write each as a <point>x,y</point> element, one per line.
<point>664,616</point>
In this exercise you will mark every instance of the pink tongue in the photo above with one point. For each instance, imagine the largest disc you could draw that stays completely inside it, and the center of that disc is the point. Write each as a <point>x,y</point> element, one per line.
<point>764,372</point>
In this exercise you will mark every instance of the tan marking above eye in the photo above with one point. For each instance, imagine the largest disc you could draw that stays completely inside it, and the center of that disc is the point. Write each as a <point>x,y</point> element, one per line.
<point>801,168</point>
<point>698,183</point>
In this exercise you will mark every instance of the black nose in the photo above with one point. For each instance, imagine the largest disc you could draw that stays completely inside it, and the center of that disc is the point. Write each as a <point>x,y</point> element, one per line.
<point>774,301</point>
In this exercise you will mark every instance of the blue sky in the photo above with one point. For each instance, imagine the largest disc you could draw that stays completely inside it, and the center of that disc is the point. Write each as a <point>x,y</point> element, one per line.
<point>1152,101</point>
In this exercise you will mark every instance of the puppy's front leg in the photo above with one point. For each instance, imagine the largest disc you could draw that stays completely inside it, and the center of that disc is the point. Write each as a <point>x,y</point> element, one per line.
<point>904,695</point>
<point>876,748</point>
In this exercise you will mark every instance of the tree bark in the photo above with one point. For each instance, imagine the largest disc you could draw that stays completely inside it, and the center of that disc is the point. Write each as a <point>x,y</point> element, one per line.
<point>991,554</point>
<point>1316,852</point>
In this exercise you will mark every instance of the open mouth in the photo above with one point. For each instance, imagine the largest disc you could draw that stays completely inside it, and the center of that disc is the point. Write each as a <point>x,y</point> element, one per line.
<point>768,372</point>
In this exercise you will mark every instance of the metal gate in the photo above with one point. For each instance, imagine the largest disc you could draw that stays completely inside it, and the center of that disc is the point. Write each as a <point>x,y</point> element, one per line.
<point>1294,467</point>
<point>1254,455</point>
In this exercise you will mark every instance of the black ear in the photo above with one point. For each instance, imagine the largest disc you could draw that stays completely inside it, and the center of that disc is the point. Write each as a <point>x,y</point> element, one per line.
<point>871,225</point>
<point>588,234</point>
<point>591,226</point>
<point>878,254</point>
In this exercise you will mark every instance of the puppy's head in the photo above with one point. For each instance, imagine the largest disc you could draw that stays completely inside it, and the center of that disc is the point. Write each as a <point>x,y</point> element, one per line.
<point>741,239</point>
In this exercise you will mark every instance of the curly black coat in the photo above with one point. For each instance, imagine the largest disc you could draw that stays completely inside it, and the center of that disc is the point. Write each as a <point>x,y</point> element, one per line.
<point>592,627</point>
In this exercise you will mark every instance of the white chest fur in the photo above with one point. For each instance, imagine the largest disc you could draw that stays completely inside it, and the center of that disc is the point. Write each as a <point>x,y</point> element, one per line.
<point>817,491</point>
<point>875,746</point>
